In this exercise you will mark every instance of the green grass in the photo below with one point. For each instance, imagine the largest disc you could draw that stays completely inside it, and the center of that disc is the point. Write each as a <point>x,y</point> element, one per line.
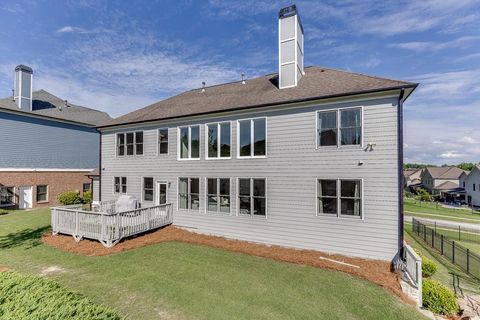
<point>446,270</point>
<point>183,281</point>
<point>431,211</point>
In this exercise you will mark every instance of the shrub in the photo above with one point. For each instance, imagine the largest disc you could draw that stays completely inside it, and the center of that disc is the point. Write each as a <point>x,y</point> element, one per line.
<point>3,211</point>
<point>31,297</point>
<point>428,267</point>
<point>438,298</point>
<point>423,195</point>
<point>69,197</point>
<point>87,196</point>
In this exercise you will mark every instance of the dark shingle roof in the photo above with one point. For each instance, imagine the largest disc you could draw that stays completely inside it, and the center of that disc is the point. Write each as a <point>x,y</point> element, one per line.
<point>47,105</point>
<point>316,84</point>
<point>445,172</point>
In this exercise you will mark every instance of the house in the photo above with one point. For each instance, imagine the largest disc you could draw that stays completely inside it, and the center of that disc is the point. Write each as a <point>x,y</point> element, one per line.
<point>48,145</point>
<point>444,183</point>
<point>412,177</point>
<point>307,157</point>
<point>472,187</point>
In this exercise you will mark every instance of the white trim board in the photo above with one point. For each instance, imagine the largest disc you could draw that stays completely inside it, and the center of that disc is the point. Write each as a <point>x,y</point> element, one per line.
<point>44,170</point>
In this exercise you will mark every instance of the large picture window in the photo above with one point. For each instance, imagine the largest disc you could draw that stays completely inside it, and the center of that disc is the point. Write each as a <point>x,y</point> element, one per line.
<point>120,185</point>
<point>189,142</point>
<point>189,193</point>
<point>130,143</point>
<point>218,140</point>
<point>147,189</point>
<point>218,195</point>
<point>340,127</point>
<point>339,197</point>
<point>252,196</point>
<point>42,193</point>
<point>252,138</point>
<point>163,141</point>
<point>7,196</point>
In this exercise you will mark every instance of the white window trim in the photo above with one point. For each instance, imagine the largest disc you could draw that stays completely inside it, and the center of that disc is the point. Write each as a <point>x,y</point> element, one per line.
<point>218,137</point>
<point>206,211</point>
<point>237,200</point>
<point>188,191</point>
<point>339,146</point>
<point>125,145</point>
<point>158,142</point>
<point>126,185</point>
<point>48,193</point>
<point>252,156</point>
<point>339,215</point>
<point>156,197</point>
<point>189,142</point>
<point>143,189</point>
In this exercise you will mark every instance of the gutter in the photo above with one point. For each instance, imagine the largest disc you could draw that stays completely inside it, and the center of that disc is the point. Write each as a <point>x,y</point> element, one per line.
<point>413,86</point>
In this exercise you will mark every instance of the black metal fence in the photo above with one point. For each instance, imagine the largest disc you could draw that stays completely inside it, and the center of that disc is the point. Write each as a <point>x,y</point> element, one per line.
<point>457,254</point>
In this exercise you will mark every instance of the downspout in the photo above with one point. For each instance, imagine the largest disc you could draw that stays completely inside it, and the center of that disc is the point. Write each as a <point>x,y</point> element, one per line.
<point>100,167</point>
<point>400,170</point>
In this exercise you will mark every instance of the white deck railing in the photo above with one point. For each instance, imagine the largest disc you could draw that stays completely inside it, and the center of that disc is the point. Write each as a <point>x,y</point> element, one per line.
<point>109,228</point>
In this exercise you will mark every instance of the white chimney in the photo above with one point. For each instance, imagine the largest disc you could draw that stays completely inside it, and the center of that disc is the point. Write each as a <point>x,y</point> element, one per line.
<point>290,48</point>
<point>22,93</point>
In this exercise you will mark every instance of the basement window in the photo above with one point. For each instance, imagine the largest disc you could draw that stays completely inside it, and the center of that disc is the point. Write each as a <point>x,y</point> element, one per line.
<point>189,193</point>
<point>218,195</point>
<point>252,196</point>
<point>147,189</point>
<point>339,197</point>
<point>120,185</point>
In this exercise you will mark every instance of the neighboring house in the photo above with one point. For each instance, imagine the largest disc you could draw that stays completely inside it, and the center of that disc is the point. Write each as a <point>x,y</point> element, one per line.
<point>413,177</point>
<point>306,158</point>
<point>435,179</point>
<point>47,143</point>
<point>462,179</point>
<point>472,187</point>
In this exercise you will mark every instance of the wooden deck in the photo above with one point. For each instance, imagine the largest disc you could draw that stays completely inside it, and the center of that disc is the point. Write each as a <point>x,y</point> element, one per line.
<point>108,227</point>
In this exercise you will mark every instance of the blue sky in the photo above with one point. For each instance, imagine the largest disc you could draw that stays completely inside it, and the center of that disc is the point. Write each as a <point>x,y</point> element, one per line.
<point>119,56</point>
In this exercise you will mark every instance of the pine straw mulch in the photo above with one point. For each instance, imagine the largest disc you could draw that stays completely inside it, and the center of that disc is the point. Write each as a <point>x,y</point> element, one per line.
<point>376,271</point>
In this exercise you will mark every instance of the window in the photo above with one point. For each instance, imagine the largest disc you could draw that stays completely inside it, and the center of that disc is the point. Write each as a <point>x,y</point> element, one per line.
<point>7,196</point>
<point>130,143</point>
<point>463,184</point>
<point>252,138</point>
<point>339,197</point>
<point>252,196</point>
<point>218,195</point>
<point>163,141</point>
<point>218,140</point>
<point>86,187</point>
<point>189,193</point>
<point>148,189</point>
<point>42,193</point>
<point>474,187</point>
<point>120,185</point>
<point>189,142</point>
<point>340,127</point>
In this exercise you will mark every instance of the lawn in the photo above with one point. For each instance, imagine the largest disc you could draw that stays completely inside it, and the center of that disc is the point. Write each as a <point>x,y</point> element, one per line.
<point>183,281</point>
<point>431,211</point>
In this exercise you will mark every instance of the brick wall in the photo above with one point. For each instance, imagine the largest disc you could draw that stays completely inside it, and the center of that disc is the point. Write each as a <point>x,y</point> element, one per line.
<point>57,183</point>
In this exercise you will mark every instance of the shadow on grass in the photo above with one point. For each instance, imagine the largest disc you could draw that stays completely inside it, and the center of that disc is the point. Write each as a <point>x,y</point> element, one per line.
<point>28,238</point>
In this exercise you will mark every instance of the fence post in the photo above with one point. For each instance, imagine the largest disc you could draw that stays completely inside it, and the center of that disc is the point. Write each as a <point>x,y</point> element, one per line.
<point>441,246</point>
<point>453,252</point>
<point>468,260</point>
<point>435,226</point>
<point>433,239</point>
<point>76,222</point>
<point>459,233</point>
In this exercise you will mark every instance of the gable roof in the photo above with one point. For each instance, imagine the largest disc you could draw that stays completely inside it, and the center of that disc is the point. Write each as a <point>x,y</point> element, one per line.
<point>317,83</point>
<point>447,185</point>
<point>444,172</point>
<point>46,104</point>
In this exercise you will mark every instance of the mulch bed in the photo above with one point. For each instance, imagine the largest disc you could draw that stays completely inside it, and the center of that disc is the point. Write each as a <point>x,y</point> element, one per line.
<point>376,271</point>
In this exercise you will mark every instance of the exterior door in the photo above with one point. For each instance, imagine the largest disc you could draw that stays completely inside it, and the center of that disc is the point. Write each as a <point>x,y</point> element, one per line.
<point>25,197</point>
<point>161,196</point>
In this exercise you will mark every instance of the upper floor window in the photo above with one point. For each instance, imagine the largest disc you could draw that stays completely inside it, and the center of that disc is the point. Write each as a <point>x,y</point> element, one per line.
<point>252,196</point>
<point>147,189</point>
<point>252,138</point>
<point>340,127</point>
<point>120,185</point>
<point>218,140</point>
<point>163,141</point>
<point>7,196</point>
<point>218,195</point>
<point>339,197</point>
<point>189,193</point>
<point>189,142</point>
<point>130,143</point>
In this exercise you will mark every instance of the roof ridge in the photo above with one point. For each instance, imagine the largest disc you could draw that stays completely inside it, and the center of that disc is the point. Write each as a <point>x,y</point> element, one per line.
<point>365,75</point>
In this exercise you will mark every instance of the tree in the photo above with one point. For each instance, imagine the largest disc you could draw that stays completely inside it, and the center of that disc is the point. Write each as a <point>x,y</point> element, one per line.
<point>467,166</point>
<point>423,195</point>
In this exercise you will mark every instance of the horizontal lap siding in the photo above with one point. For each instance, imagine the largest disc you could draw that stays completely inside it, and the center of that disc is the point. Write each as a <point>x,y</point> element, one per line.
<point>291,169</point>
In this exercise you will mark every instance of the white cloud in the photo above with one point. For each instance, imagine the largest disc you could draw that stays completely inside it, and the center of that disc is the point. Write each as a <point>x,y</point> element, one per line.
<point>71,29</point>
<point>468,140</point>
<point>430,46</point>
<point>451,155</point>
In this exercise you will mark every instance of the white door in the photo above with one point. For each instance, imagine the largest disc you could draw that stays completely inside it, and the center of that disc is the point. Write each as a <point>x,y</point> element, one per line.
<point>25,197</point>
<point>161,196</point>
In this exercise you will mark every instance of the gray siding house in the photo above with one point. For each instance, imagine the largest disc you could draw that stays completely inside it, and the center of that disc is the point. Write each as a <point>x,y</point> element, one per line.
<point>307,158</point>
<point>47,145</point>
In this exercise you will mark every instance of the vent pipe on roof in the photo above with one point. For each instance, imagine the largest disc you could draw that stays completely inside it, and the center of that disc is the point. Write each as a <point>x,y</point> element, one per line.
<point>203,86</point>
<point>243,78</point>
<point>290,47</point>
<point>22,92</point>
